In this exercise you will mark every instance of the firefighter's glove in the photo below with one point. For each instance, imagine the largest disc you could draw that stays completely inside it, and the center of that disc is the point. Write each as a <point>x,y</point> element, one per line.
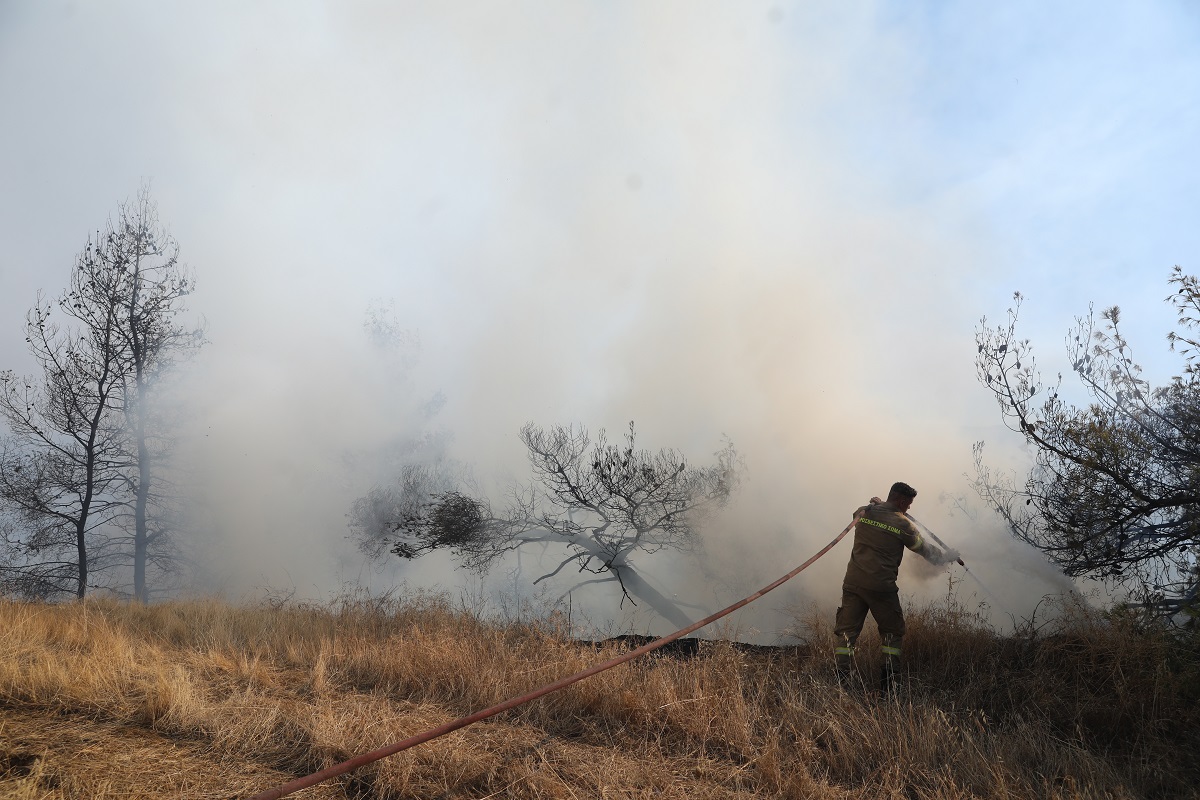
<point>949,556</point>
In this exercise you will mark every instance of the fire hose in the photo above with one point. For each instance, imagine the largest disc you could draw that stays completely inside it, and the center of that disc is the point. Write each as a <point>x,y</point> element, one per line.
<point>441,730</point>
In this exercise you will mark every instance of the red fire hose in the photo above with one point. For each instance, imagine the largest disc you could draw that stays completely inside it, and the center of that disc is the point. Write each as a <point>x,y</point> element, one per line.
<point>433,733</point>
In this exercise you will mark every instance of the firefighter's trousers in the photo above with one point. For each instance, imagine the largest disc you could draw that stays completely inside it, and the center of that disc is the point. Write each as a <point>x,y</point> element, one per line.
<point>889,616</point>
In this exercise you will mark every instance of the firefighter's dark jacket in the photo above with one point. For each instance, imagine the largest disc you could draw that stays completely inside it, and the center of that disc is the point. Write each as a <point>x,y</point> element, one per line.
<point>880,536</point>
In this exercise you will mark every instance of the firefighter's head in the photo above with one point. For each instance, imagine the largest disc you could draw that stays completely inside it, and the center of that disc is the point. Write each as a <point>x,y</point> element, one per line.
<point>901,495</point>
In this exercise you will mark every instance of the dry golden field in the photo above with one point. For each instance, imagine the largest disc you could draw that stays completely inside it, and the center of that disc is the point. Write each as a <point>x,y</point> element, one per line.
<point>203,699</point>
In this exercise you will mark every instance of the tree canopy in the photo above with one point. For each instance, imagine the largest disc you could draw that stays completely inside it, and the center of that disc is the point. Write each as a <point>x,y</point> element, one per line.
<point>1114,488</point>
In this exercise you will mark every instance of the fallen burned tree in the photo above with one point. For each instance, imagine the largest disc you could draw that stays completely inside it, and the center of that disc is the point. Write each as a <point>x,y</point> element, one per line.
<point>594,503</point>
<point>691,647</point>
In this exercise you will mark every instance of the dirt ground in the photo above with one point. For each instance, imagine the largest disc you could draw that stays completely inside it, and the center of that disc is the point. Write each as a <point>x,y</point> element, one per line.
<point>47,757</point>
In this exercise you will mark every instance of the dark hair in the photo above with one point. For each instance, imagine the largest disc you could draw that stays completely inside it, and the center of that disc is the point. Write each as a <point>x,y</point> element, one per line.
<point>902,489</point>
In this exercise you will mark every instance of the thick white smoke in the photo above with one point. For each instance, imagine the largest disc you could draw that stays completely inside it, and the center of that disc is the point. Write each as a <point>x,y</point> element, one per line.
<point>709,219</point>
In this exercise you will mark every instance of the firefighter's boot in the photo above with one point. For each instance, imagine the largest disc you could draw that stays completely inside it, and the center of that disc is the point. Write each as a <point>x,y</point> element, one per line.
<point>844,661</point>
<point>887,681</point>
<point>890,667</point>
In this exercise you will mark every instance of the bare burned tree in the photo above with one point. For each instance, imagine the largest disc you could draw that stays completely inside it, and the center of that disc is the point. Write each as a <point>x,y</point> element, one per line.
<point>1114,490</point>
<point>600,502</point>
<point>77,469</point>
<point>65,462</point>
<point>142,251</point>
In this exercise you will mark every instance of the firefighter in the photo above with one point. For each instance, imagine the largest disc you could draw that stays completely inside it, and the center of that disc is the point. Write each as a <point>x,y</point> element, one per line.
<point>881,533</point>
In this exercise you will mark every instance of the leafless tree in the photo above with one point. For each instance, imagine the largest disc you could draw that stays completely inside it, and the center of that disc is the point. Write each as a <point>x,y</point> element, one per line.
<point>139,248</point>
<point>602,503</point>
<point>78,467</point>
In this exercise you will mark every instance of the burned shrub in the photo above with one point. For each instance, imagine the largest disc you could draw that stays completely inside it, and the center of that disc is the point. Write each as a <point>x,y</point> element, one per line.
<point>453,520</point>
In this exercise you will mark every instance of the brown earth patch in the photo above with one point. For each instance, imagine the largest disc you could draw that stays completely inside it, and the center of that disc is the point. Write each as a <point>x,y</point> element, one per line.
<point>48,757</point>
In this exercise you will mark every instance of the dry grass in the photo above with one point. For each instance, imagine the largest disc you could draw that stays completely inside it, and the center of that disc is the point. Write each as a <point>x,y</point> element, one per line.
<point>206,700</point>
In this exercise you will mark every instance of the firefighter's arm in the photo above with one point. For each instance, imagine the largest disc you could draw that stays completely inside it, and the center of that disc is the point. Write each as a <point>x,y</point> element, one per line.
<point>920,545</point>
<point>934,554</point>
<point>930,552</point>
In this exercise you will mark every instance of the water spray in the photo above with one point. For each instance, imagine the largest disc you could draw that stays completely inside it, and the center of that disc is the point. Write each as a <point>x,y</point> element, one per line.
<point>944,546</point>
<point>934,536</point>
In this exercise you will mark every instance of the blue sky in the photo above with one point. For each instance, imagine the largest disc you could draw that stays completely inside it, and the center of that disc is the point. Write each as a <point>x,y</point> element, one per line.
<point>1071,124</point>
<point>779,221</point>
